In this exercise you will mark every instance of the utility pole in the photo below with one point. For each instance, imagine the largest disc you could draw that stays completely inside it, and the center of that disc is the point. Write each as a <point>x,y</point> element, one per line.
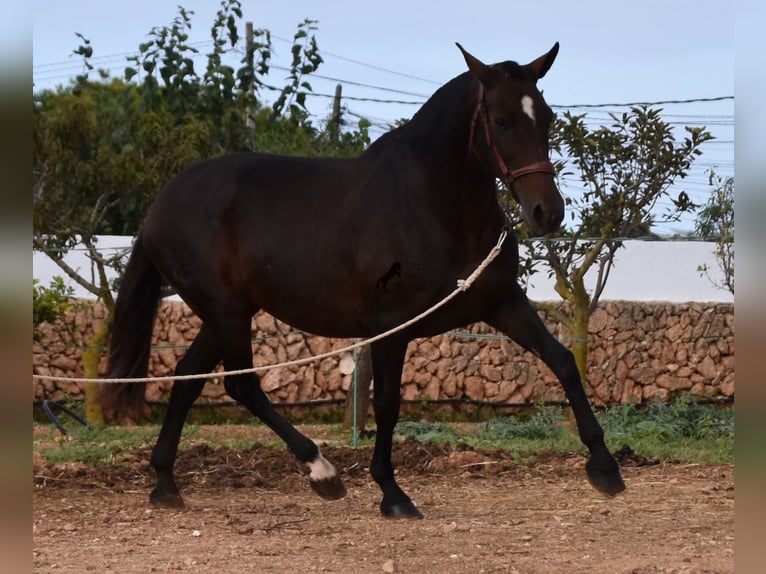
<point>249,123</point>
<point>334,127</point>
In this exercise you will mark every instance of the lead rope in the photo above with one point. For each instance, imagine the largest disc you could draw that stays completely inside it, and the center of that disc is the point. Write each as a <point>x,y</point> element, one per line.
<point>462,286</point>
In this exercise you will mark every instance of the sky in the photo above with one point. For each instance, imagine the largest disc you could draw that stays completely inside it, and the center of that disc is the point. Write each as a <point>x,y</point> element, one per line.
<point>611,53</point>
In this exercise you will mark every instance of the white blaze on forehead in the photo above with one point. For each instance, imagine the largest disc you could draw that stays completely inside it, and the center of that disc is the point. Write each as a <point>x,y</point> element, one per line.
<point>321,469</point>
<point>527,106</point>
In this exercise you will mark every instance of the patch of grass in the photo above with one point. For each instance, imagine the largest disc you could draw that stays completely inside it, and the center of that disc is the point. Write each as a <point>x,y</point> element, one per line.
<point>98,447</point>
<point>680,431</point>
<point>425,431</point>
<point>523,435</point>
<point>544,429</point>
<point>545,424</point>
<point>683,430</point>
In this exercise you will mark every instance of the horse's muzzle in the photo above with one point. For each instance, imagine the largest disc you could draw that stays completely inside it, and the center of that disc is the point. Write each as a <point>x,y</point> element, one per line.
<point>544,218</point>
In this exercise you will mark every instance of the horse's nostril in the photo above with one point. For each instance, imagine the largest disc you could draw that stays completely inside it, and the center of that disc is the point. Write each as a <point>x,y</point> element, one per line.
<point>538,213</point>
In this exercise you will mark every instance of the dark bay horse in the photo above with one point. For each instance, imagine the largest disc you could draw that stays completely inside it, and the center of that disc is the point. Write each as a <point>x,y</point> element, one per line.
<point>321,244</point>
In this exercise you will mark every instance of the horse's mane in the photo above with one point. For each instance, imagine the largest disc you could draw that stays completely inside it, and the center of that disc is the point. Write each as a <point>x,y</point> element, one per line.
<point>448,109</point>
<point>442,113</point>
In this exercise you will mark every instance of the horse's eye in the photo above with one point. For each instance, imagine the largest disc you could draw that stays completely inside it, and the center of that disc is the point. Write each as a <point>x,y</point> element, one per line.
<point>502,122</point>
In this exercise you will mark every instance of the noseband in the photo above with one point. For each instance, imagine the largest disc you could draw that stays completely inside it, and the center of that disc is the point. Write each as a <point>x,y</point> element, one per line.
<point>480,114</point>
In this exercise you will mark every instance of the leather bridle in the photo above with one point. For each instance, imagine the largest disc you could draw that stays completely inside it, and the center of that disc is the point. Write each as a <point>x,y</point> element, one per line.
<point>509,175</point>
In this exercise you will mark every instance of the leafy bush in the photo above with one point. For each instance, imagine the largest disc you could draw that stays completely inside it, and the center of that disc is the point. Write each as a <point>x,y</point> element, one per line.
<point>49,303</point>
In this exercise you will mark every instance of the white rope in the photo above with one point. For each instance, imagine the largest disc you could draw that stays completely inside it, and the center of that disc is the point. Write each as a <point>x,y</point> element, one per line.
<point>462,285</point>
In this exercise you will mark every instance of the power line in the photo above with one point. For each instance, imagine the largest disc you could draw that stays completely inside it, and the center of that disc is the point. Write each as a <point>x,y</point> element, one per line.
<point>111,57</point>
<point>108,57</point>
<point>656,103</point>
<point>368,65</point>
<point>354,83</point>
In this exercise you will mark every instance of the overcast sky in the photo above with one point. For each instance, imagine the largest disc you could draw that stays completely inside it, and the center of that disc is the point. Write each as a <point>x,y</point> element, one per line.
<point>611,52</point>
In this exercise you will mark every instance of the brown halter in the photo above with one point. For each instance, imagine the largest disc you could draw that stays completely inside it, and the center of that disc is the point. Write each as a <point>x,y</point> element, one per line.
<point>508,175</point>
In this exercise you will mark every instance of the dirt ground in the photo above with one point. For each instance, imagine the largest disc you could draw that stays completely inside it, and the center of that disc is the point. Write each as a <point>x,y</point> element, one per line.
<point>253,511</point>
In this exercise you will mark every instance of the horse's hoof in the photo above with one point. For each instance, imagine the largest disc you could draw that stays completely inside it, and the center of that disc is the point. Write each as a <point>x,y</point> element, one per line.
<point>330,488</point>
<point>404,509</point>
<point>605,478</point>
<point>166,499</point>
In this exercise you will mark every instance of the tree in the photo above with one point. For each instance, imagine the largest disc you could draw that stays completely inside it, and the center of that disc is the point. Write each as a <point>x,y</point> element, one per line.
<point>716,221</point>
<point>103,149</point>
<point>80,172</point>
<point>621,174</point>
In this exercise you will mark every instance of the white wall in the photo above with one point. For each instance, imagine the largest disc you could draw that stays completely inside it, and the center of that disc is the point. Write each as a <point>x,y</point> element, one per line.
<point>644,271</point>
<point>651,271</point>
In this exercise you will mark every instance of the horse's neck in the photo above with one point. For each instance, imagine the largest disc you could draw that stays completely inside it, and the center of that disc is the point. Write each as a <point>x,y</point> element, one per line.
<point>433,152</point>
<point>439,137</point>
<point>441,127</point>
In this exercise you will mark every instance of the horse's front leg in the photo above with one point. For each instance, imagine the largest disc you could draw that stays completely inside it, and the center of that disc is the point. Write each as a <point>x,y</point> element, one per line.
<point>387,362</point>
<point>518,319</point>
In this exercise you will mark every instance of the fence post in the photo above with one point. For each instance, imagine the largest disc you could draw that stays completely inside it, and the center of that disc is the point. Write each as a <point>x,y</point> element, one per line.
<point>358,399</point>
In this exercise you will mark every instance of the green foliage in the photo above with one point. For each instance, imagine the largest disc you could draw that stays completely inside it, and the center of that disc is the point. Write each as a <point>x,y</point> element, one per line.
<point>544,424</point>
<point>306,60</point>
<point>425,431</point>
<point>682,419</point>
<point>100,447</point>
<point>716,221</point>
<point>49,303</point>
<point>682,431</point>
<point>625,168</point>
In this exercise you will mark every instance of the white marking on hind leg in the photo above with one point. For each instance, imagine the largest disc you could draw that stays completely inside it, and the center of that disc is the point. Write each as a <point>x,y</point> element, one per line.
<point>321,469</point>
<point>528,107</point>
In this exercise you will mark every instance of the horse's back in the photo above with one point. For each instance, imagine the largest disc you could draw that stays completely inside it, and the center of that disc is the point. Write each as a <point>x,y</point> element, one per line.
<point>273,232</point>
<point>310,239</point>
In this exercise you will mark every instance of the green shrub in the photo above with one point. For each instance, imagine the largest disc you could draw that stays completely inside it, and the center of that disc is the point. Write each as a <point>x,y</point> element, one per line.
<point>49,303</point>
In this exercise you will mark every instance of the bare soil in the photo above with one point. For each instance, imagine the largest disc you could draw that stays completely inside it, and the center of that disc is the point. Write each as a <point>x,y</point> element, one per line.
<point>253,511</point>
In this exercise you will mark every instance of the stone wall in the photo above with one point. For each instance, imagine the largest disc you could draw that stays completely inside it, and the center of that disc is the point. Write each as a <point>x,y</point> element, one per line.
<point>638,352</point>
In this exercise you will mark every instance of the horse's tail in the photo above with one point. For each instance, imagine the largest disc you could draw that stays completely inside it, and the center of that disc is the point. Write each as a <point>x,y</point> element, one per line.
<point>130,338</point>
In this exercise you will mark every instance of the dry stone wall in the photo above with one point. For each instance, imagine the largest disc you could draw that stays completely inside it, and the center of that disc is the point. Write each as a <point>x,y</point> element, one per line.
<point>638,352</point>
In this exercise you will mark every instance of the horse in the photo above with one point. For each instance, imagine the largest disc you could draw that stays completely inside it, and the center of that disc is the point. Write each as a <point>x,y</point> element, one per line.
<point>351,247</point>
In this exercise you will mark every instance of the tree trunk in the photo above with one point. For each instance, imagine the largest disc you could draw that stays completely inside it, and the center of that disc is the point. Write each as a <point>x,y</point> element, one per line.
<point>90,360</point>
<point>578,329</point>
<point>363,374</point>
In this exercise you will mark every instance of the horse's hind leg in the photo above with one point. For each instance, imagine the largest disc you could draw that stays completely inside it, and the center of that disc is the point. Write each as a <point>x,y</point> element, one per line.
<point>520,322</point>
<point>202,357</point>
<point>246,389</point>
<point>387,362</point>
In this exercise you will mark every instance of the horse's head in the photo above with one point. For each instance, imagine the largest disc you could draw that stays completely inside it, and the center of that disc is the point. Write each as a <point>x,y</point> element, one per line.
<point>514,120</point>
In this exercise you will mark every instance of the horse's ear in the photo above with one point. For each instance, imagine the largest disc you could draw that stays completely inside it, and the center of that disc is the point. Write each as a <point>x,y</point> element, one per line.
<point>541,65</point>
<point>485,74</point>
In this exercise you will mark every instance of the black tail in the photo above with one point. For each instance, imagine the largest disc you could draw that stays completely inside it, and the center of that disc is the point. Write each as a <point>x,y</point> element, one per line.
<point>131,334</point>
